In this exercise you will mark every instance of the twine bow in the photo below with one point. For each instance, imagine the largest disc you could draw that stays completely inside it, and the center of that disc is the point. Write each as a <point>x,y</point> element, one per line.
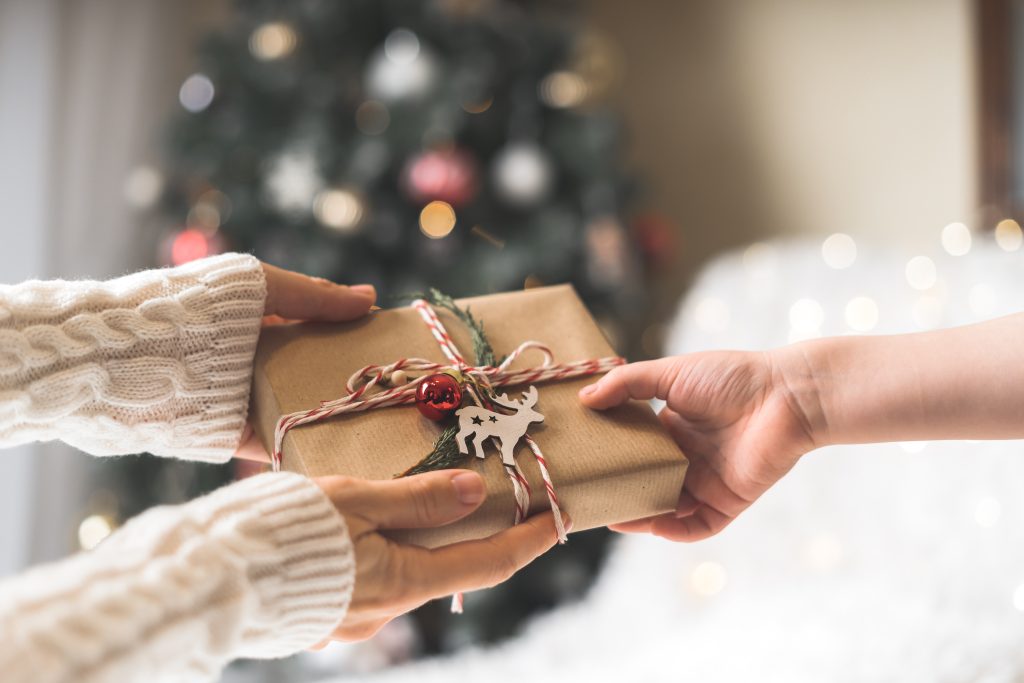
<point>488,377</point>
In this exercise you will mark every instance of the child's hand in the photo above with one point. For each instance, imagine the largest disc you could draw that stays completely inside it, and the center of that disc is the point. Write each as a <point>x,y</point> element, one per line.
<point>740,418</point>
<point>393,578</point>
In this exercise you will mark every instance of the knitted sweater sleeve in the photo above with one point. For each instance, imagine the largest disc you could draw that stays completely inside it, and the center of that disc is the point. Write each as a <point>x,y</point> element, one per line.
<point>158,361</point>
<point>261,568</point>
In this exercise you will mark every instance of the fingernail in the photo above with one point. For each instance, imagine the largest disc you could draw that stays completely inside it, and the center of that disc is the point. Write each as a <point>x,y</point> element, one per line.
<point>588,390</point>
<point>567,522</point>
<point>469,488</point>
<point>365,290</point>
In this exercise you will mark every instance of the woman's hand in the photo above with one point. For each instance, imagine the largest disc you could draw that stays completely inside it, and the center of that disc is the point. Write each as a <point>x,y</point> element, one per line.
<point>293,296</point>
<point>392,578</point>
<point>740,417</point>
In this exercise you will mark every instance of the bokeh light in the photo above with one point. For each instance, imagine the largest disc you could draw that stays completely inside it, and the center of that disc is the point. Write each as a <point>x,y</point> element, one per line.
<point>956,239</point>
<point>562,89</point>
<point>209,212</point>
<point>402,69</point>
<point>1009,235</point>
<point>523,174</point>
<point>402,46</point>
<point>196,93</point>
<point>839,251</point>
<point>920,273</point>
<point>189,245</point>
<point>861,314</point>
<point>143,186</point>
<point>711,315</point>
<point>708,579</point>
<point>272,41</point>
<point>92,530</point>
<point>338,208</point>
<point>437,219</point>
<point>478,106</point>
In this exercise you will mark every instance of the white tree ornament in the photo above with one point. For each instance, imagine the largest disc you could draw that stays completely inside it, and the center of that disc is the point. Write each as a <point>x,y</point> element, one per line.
<point>506,430</point>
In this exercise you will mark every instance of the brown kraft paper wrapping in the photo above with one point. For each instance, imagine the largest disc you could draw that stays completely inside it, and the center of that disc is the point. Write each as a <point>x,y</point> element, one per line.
<point>607,467</point>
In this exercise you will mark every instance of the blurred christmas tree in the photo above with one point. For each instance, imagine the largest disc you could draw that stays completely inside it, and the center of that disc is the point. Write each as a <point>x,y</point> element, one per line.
<point>406,144</point>
<point>451,143</point>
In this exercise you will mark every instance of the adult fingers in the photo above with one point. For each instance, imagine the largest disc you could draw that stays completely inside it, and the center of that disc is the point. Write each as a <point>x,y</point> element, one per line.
<point>424,500</point>
<point>644,381</point>
<point>251,448</point>
<point>300,297</point>
<point>471,565</point>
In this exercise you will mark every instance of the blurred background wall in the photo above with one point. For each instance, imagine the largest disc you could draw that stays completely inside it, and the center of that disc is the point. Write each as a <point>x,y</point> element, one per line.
<point>751,119</point>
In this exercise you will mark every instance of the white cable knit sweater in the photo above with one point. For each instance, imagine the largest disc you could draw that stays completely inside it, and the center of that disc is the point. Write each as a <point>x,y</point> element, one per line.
<point>161,361</point>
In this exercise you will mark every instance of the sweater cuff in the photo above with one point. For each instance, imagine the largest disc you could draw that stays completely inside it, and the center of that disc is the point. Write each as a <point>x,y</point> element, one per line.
<point>224,298</point>
<point>305,579</point>
<point>158,361</point>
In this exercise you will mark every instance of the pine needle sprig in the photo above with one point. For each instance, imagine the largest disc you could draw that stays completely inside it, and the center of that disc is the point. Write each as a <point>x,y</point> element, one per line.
<point>443,456</point>
<point>482,348</point>
<point>445,453</point>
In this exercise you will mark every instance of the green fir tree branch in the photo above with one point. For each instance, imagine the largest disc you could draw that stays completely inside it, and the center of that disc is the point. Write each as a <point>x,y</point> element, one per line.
<point>445,453</point>
<point>443,456</point>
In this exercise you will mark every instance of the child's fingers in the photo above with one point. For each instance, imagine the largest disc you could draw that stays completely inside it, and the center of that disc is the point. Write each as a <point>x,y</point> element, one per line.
<point>644,381</point>
<point>637,526</point>
<point>703,523</point>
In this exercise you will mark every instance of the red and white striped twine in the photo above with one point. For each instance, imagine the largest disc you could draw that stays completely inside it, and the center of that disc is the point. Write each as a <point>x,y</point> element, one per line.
<point>361,382</point>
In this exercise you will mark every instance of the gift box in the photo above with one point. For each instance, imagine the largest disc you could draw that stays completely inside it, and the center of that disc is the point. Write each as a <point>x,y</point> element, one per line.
<point>606,467</point>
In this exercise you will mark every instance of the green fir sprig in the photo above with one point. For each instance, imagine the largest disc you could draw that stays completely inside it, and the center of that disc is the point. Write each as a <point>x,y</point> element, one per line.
<point>443,456</point>
<point>482,348</point>
<point>445,453</point>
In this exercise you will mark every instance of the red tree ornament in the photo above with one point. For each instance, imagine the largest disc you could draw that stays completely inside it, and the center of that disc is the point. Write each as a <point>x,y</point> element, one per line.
<point>438,396</point>
<point>450,176</point>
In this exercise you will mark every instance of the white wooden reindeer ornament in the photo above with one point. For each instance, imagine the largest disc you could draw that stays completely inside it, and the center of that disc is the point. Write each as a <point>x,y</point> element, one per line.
<point>507,430</point>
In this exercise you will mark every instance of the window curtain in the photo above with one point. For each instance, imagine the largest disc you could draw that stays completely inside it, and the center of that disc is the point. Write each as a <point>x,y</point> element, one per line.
<point>85,89</point>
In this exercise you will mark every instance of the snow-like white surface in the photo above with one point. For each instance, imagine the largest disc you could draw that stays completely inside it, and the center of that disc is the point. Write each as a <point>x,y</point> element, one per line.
<point>894,562</point>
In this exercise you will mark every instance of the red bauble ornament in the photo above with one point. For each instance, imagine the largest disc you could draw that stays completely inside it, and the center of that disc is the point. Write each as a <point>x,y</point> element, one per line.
<point>656,236</point>
<point>447,175</point>
<point>438,396</point>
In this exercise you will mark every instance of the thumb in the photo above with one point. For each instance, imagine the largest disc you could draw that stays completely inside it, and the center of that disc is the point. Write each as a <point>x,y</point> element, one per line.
<point>294,296</point>
<point>642,381</point>
<point>424,500</point>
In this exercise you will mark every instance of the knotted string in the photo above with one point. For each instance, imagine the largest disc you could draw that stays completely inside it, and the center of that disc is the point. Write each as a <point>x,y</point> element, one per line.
<point>362,381</point>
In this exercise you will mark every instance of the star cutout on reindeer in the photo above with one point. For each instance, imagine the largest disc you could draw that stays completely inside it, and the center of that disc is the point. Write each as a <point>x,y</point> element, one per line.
<point>504,429</point>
